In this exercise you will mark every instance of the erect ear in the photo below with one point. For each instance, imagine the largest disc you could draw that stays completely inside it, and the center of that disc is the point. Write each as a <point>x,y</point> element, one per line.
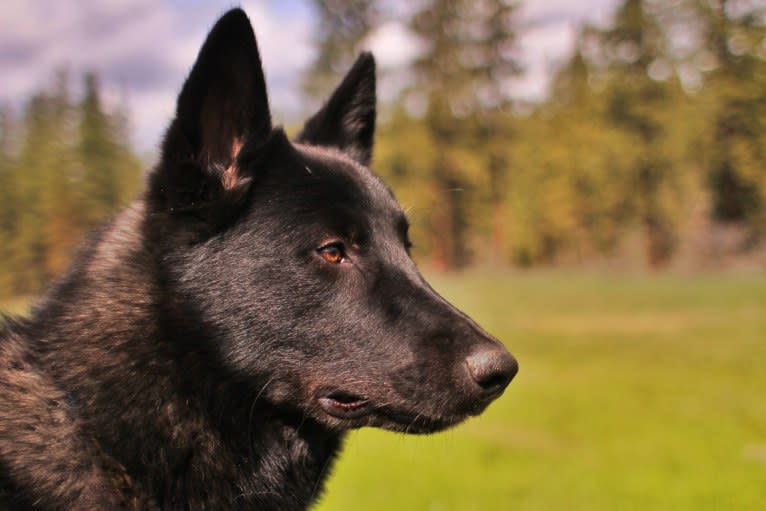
<point>347,120</point>
<point>222,106</point>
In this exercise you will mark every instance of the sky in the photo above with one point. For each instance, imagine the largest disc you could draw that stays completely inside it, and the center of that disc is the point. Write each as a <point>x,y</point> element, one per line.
<point>143,49</point>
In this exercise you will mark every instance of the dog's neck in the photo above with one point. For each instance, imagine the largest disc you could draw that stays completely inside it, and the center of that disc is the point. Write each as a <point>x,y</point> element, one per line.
<point>167,417</point>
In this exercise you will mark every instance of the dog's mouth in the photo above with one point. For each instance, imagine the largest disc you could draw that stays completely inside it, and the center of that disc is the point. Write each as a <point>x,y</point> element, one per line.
<point>354,410</point>
<point>344,405</point>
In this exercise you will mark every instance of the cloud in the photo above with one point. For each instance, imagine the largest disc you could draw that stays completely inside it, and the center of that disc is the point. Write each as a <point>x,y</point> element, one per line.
<point>543,49</point>
<point>142,49</point>
<point>393,45</point>
<point>567,11</point>
<point>548,39</point>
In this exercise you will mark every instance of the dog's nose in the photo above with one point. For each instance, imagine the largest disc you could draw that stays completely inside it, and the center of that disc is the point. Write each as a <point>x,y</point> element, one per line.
<point>492,368</point>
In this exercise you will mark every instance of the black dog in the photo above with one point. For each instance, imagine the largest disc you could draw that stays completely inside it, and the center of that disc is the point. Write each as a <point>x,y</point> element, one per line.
<point>210,346</point>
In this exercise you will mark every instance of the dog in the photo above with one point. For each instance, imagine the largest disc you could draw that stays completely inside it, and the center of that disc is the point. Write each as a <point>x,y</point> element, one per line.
<point>210,347</point>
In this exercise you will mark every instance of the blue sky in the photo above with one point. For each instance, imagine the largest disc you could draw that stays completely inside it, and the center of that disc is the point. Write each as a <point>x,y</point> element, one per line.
<point>142,49</point>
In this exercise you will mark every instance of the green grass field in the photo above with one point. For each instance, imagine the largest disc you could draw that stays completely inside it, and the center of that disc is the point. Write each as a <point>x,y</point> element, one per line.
<point>637,392</point>
<point>15,306</point>
<point>642,392</point>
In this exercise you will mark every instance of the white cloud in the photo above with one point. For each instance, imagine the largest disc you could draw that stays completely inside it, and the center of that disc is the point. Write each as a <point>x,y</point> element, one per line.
<point>549,37</point>
<point>142,49</point>
<point>393,45</point>
<point>546,11</point>
<point>543,49</point>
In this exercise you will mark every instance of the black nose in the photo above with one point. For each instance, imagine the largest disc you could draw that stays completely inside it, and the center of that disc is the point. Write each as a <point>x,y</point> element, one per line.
<point>492,368</point>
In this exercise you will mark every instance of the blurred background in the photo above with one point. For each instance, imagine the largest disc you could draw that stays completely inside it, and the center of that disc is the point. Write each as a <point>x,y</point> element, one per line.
<point>585,178</point>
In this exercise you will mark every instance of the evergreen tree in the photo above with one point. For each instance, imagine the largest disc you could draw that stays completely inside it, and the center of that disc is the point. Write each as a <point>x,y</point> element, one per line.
<point>580,207</point>
<point>342,26</point>
<point>736,87</point>
<point>98,155</point>
<point>61,226</point>
<point>45,209</point>
<point>62,183</point>
<point>7,201</point>
<point>498,63</point>
<point>41,154</point>
<point>631,46</point>
<point>464,74</point>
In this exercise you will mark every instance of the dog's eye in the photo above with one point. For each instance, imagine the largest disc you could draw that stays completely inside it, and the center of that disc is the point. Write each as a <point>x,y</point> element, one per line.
<point>333,253</point>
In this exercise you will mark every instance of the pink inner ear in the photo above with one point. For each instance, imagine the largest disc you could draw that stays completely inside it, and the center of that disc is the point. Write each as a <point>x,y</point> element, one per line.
<point>231,174</point>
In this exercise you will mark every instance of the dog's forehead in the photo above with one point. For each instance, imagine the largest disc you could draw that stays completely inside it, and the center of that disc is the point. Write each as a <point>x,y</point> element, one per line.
<point>366,185</point>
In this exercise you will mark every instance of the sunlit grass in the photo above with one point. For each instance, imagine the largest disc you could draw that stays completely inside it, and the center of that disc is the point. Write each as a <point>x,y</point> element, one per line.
<point>639,392</point>
<point>16,306</point>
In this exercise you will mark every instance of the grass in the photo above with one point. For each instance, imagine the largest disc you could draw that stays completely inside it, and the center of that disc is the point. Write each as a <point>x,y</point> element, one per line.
<point>15,306</point>
<point>640,392</point>
<point>637,392</point>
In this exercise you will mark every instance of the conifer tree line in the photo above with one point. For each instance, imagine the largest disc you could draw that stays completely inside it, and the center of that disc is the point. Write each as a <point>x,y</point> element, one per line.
<point>64,166</point>
<point>650,144</point>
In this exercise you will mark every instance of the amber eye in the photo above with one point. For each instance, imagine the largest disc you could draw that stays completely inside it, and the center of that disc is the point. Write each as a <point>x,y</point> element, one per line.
<point>333,253</point>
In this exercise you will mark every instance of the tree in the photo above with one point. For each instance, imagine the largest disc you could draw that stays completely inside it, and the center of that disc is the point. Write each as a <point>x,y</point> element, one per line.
<point>110,172</point>
<point>342,26</point>
<point>733,36</point>
<point>463,75</point>
<point>635,100</point>
<point>570,201</point>
<point>69,171</point>
<point>7,203</point>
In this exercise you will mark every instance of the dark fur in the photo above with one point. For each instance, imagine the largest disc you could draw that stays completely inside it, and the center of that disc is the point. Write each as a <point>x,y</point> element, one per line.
<point>195,355</point>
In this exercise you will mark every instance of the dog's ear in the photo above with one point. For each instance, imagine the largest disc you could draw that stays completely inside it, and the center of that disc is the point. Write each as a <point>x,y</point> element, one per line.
<point>347,120</point>
<point>222,106</point>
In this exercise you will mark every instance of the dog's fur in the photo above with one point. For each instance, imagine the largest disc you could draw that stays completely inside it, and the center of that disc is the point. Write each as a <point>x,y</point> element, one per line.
<point>211,345</point>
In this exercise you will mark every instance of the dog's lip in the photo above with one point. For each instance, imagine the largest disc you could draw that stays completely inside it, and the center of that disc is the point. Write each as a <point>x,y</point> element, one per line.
<point>351,407</point>
<point>345,405</point>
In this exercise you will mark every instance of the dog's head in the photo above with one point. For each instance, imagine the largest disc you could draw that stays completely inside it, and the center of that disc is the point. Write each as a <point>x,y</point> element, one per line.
<point>291,258</point>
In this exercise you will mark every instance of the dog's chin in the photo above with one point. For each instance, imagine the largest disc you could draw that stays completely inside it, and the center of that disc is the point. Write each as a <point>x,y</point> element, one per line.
<point>346,411</point>
<point>418,424</point>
